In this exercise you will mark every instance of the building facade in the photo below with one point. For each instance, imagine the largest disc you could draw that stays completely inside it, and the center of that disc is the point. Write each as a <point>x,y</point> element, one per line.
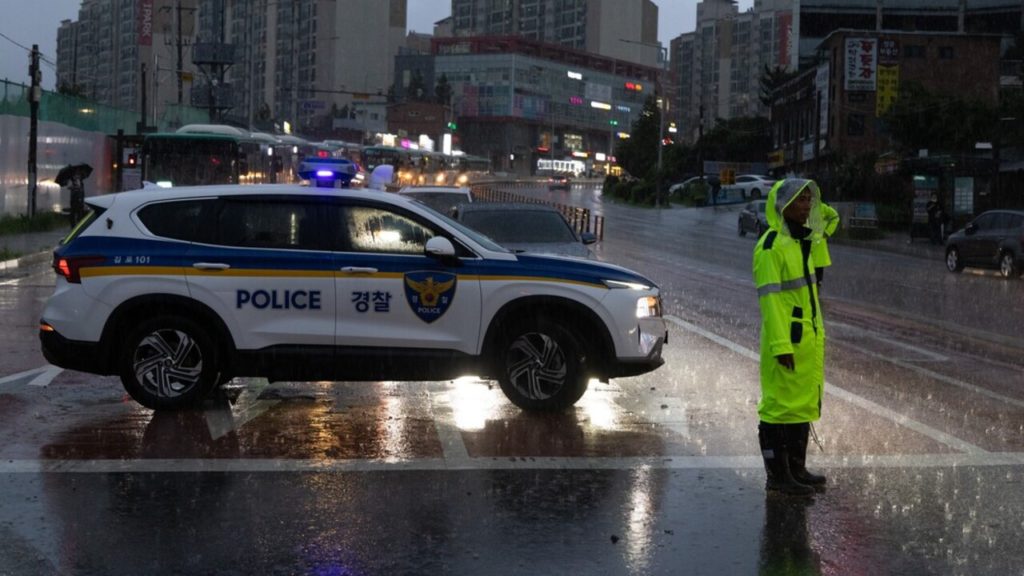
<point>720,63</point>
<point>101,55</point>
<point>528,105</point>
<point>595,26</point>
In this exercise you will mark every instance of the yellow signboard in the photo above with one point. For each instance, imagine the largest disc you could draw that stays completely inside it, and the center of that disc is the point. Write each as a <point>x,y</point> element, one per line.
<point>888,79</point>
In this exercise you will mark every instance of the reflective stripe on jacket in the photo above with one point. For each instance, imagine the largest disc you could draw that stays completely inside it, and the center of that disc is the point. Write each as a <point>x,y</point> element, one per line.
<point>791,320</point>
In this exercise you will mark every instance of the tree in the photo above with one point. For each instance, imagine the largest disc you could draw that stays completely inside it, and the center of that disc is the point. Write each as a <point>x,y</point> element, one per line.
<point>417,89</point>
<point>443,90</point>
<point>771,79</point>
<point>922,119</point>
<point>744,139</point>
<point>638,154</point>
<point>76,90</point>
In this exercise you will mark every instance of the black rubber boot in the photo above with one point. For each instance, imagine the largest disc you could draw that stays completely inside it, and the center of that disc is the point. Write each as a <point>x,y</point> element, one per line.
<point>796,440</point>
<point>776,461</point>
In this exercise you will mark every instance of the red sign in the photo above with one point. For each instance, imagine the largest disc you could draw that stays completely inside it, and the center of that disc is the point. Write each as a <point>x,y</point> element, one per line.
<point>145,22</point>
<point>785,22</point>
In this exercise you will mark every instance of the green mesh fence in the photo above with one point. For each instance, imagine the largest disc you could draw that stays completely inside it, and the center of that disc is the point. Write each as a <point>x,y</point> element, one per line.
<point>85,114</point>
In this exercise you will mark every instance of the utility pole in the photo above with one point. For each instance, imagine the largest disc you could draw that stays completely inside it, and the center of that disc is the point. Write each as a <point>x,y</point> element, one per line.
<point>34,95</point>
<point>180,67</point>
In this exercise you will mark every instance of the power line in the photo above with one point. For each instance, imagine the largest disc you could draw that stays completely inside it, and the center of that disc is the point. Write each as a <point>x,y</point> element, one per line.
<point>26,48</point>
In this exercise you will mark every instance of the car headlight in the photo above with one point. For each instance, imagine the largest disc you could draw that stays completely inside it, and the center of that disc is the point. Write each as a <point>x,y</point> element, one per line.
<point>648,306</point>
<point>626,285</point>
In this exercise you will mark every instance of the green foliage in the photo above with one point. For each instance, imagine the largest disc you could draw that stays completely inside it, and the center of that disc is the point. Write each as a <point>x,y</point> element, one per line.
<point>744,139</point>
<point>693,194</point>
<point>41,222</point>
<point>443,90</point>
<point>771,79</point>
<point>922,119</point>
<point>638,155</point>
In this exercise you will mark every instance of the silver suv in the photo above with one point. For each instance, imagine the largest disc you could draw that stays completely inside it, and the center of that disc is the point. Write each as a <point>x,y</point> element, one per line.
<point>179,290</point>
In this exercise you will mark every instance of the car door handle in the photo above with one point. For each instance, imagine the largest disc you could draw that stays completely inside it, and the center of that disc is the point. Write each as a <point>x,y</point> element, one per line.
<point>211,266</point>
<point>358,269</point>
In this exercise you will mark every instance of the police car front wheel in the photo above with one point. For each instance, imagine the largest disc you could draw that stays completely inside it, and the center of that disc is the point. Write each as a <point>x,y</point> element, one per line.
<point>168,362</point>
<point>542,367</point>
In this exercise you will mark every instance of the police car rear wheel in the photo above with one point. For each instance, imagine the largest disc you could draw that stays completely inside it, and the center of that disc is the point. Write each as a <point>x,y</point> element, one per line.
<point>168,362</point>
<point>542,367</point>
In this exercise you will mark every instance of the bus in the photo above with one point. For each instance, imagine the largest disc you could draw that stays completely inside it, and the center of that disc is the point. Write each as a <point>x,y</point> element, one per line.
<point>199,154</point>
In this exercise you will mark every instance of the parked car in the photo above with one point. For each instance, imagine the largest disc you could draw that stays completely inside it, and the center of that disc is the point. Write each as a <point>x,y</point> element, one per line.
<point>559,182</point>
<point>995,239</point>
<point>752,218</point>
<point>444,199</point>
<point>179,290</point>
<point>520,227</point>
<point>752,186</point>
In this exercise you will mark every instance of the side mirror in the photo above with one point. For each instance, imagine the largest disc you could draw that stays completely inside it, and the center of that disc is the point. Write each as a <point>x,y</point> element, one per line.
<point>440,247</point>
<point>588,238</point>
<point>971,228</point>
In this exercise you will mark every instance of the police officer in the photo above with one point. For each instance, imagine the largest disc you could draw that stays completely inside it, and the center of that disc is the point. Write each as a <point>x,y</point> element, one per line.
<point>819,245</point>
<point>792,334</point>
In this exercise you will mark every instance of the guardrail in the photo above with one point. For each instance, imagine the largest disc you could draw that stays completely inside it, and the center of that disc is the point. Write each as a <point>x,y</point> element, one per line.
<point>580,219</point>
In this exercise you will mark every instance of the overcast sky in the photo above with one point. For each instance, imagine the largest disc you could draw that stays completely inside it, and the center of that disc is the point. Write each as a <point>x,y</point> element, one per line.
<point>27,22</point>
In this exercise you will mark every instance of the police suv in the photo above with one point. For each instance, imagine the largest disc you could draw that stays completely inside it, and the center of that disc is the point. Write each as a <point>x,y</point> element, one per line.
<point>179,290</point>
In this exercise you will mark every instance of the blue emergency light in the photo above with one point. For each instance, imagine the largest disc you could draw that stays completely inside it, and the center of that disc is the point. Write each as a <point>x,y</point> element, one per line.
<point>327,172</point>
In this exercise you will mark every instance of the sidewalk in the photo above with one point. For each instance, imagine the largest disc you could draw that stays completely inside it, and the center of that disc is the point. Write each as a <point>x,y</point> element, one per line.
<point>33,247</point>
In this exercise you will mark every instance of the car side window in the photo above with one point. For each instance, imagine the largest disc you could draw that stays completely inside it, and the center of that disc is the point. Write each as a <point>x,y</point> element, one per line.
<point>276,224</point>
<point>377,229</point>
<point>985,221</point>
<point>179,220</point>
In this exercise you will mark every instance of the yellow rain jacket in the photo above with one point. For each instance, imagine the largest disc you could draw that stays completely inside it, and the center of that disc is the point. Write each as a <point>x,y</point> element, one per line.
<point>790,312</point>
<point>819,247</point>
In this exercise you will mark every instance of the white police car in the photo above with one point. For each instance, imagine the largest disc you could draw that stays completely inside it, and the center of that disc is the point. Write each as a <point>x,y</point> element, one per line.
<point>179,290</point>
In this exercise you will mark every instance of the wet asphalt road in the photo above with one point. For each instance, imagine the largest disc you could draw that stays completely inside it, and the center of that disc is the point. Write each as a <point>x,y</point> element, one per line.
<point>922,435</point>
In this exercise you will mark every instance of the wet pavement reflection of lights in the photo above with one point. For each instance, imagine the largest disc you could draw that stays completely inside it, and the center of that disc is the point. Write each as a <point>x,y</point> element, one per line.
<point>639,520</point>
<point>473,403</point>
<point>598,409</point>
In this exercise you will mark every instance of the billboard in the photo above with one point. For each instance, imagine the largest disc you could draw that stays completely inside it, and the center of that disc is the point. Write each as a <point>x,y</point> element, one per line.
<point>145,22</point>
<point>861,64</point>
<point>784,20</point>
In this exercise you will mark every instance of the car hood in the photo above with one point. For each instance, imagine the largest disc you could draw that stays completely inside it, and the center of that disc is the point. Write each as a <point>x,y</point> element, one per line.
<point>580,269</point>
<point>575,249</point>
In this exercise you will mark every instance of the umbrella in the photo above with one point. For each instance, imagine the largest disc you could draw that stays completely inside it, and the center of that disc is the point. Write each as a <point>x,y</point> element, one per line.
<point>71,172</point>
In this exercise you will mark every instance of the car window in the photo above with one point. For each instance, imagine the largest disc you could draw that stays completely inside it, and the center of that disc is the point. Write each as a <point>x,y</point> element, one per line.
<point>265,223</point>
<point>177,220</point>
<point>377,229</point>
<point>985,221</point>
<point>1003,221</point>
<point>1017,221</point>
<point>520,226</point>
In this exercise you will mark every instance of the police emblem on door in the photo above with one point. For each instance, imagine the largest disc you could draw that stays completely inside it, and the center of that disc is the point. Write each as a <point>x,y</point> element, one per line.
<point>429,293</point>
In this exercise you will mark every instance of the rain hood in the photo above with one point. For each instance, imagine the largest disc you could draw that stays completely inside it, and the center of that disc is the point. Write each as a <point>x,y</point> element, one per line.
<point>782,193</point>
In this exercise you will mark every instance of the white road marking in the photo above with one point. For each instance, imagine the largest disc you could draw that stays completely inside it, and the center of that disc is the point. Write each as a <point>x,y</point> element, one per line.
<point>447,432</point>
<point>41,376</point>
<point>247,407</point>
<point>891,341</point>
<point>257,465</point>
<point>864,403</point>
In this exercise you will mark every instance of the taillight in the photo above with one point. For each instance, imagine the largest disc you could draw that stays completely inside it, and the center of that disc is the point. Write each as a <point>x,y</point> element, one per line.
<point>71,267</point>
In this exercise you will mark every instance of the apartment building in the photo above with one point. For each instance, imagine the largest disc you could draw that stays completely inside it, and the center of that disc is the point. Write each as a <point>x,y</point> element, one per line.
<point>595,26</point>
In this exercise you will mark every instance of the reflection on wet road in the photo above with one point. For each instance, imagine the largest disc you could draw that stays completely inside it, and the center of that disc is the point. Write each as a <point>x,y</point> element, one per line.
<point>922,440</point>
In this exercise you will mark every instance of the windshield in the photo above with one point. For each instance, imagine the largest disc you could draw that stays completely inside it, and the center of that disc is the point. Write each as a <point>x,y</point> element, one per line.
<point>519,226</point>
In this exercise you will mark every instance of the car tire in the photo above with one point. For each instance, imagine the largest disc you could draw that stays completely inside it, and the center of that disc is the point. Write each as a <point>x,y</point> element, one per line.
<point>755,194</point>
<point>953,261</point>
<point>168,363</point>
<point>740,229</point>
<point>542,366</point>
<point>758,229</point>
<point>1008,265</point>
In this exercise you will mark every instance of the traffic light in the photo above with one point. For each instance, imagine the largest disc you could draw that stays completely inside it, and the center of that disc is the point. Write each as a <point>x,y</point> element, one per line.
<point>452,126</point>
<point>133,160</point>
<point>613,122</point>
